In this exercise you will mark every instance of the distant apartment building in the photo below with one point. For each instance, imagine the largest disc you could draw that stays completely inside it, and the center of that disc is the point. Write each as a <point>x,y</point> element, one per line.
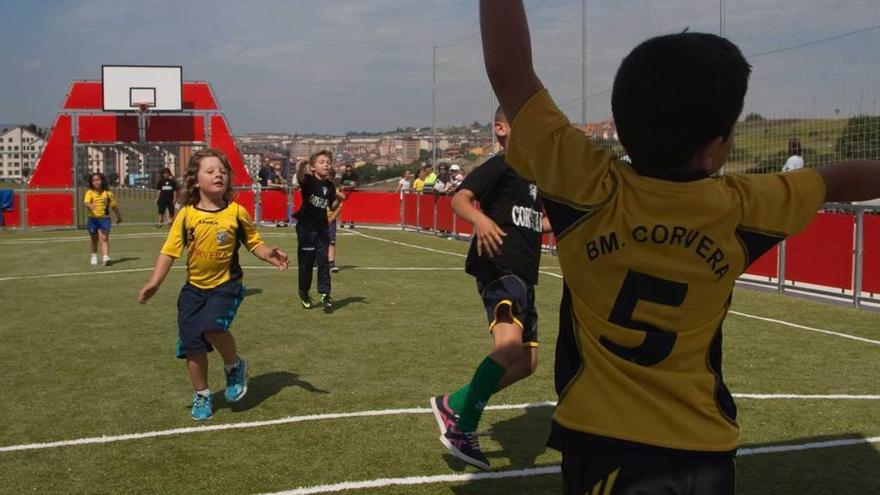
<point>252,162</point>
<point>410,150</point>
<point>303,147</point>
<point>19,150</point>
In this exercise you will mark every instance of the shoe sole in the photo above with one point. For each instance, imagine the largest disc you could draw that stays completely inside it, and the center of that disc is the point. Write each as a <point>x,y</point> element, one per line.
<point>438,416</point>
<point>201,419</point>
<point>461,455</point>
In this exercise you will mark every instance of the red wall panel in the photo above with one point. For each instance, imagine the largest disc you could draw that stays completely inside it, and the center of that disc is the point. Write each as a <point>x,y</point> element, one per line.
<point>823,253</point>
<point>871,266</point>
<point>371,207</point>
<point>222,140</point>
<point>767,265</point>
<point>89,95</point>
<point>409,209</point>
<point>176,128</point>
<point>55,167</point>
<point>197,96</point>
<point>444,213</point>
<point>49,209</point>
<point>107,128</point>
<point>425,218</point>
<point>273,205</point>
<point>245,197</point>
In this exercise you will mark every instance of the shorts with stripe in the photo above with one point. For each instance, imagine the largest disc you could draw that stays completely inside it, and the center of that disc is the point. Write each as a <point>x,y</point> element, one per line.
<point>510,292</point>
<point>200,310</point>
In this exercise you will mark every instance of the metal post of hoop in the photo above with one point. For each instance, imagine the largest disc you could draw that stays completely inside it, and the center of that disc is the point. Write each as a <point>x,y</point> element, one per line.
<point>143,114</point>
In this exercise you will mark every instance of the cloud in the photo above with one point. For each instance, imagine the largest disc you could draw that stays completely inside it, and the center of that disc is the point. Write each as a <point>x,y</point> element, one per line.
<point>33,65</point>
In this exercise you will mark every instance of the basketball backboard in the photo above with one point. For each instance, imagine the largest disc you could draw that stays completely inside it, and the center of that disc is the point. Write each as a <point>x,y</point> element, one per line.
<point>130,87</point>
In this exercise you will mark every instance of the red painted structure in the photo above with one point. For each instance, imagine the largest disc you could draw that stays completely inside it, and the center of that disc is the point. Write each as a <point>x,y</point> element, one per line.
<point>82,120</point>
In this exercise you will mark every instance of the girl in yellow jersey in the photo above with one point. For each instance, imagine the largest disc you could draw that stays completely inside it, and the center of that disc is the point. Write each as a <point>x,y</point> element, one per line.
<point>99,200</point>
<point>211,227</point>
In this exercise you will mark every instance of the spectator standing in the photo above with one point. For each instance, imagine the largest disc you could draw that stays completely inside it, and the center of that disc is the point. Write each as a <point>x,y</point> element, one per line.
<point>349,182</point>
<point>795,159</point>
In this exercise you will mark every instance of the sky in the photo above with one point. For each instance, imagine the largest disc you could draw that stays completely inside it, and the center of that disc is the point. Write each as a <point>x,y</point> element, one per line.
<point>332,66</point>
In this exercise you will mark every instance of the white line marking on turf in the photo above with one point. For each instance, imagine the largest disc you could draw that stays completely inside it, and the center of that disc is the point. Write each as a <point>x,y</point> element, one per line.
<point>520,473</point>
<point>803,327</point>
<point>355,414</point>
<point>439,251</point>
<point>98,271</point>
<point>420,480</point>
<point>494,475</point>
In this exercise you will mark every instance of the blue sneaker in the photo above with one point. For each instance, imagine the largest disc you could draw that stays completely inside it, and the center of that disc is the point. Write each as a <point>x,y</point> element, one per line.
<point>236,381</point>
<point>203,407</point>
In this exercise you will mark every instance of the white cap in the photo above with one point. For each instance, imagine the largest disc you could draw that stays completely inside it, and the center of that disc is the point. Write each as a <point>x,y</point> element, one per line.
<point>454,167</point>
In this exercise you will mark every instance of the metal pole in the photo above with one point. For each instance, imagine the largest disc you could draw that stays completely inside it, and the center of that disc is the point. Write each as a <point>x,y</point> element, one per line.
<point>780,268</point>
<point>721,30</point>
<point>434,110</point>
<point>859,266</point>
<point>584,64</point>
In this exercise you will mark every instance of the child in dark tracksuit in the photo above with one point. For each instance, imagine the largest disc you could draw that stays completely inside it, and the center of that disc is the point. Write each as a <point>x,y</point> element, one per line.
<point>318,195</point>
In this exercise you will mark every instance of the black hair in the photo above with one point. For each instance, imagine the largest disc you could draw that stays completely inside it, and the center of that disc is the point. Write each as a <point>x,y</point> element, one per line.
<point>794,146</point>
<point>103,177</point>
<point>674,93</point>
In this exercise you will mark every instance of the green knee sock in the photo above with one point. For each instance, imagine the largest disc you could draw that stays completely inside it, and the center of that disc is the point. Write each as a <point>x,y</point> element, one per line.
<point>482,386</point>
<point>456,399</point>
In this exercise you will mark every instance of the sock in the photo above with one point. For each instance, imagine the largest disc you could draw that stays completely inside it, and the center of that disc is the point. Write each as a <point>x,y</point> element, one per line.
<point>204,393</point>
<point>482,386</point>
<point>233,365</point>
<point>456,399</point>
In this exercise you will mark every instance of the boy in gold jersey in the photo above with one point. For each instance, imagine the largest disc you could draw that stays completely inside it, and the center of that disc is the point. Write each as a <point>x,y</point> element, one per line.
<point>210,226</point>
<point>650,252</point>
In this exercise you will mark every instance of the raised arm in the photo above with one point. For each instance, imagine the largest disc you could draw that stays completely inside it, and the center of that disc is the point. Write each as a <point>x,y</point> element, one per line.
<point>507,53</point>
<point>852,180</point>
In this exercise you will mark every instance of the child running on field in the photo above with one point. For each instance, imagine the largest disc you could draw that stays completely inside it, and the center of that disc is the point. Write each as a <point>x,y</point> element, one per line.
<point>504,256</point>
<point>650,252</point>
<point>318,196</point>
<point>210,227</point>
<point>99,201</point>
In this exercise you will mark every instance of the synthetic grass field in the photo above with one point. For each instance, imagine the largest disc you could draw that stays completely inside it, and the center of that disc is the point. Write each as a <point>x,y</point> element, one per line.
<point>95,402</point>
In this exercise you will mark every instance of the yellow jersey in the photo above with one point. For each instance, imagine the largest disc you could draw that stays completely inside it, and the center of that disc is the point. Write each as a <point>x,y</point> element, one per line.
<point>649,267</point>
<point>101,201</point>
<point>211,239</point>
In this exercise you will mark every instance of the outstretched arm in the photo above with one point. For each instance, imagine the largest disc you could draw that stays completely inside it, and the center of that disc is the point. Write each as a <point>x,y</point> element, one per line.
<point>271,255</point>
<point>507,53</point>
<point>852,180</point>
<point>163,264</point>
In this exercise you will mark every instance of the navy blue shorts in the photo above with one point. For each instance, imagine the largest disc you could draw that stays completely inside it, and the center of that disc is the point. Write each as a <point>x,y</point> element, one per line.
<point>166,206</point>
<point>331,232</point>
<point>512,293</point>
<point>199,310</point>
<point>93,225</point>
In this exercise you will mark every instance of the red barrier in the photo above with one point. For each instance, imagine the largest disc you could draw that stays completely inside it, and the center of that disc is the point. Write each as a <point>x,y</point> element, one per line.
<point>245,197</point>
<point>767,265</point>
<point>444,213</point>
<point>371,207</point>
<point>49,209</point>
<point>12,218</point>
<point>426,211</point>
<point>409,209</point>
<point>823,253</point>
<point>273,205</point>
<point>871,259</point>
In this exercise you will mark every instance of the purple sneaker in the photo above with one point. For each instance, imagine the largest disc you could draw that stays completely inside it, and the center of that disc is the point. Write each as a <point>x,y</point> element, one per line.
<point>444,414</point>
<point>466,446</point>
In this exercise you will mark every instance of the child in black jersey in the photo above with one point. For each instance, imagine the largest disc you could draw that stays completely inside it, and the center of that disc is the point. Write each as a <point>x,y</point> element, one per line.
<point>318,195</point>
<point>503,257</point>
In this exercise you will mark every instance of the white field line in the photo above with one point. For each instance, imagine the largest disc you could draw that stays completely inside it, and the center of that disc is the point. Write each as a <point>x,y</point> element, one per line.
<point>521,473</point>
<point>439,251</point>
<point>98,271</point>
<point>803,327</point>
<point>355,414</point>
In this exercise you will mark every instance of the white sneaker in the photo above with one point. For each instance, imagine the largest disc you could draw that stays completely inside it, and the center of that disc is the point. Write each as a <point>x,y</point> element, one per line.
<point>94,259</point>
<point>105,260</point>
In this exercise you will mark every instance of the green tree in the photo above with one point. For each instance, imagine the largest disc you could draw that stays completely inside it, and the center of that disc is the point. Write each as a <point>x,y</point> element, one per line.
<point>860,138</point>
<point>755,117</point>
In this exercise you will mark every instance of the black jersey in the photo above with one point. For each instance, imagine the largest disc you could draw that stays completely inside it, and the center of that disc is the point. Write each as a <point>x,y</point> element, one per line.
<point>317,196</point>
<point>166,188</point>
<point>512,202</point>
